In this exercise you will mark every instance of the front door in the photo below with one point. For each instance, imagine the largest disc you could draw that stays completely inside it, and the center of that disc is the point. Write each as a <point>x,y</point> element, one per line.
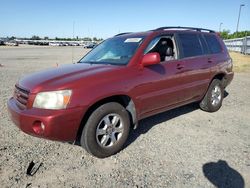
<point>159,85</point>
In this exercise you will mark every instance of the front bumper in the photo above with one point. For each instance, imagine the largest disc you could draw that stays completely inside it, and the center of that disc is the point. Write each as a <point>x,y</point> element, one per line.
<point>61,125</point>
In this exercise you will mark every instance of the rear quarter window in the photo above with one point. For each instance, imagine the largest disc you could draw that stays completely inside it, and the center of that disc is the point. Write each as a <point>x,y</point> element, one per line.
<point>190,45</point>
<point>213,44</point>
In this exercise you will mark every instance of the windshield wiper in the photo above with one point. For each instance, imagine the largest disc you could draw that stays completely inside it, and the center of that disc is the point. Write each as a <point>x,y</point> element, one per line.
<point>89,62</point>
<point>101,63</point>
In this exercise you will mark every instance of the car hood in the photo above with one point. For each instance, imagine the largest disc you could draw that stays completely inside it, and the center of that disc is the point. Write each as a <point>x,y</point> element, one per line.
<point>61,77</point>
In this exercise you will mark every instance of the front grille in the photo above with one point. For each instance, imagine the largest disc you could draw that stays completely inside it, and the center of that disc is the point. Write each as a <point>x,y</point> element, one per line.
<point>21,95</point>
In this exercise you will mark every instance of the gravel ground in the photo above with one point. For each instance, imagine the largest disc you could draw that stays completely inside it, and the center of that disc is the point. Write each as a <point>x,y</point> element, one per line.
<point>185,147</point>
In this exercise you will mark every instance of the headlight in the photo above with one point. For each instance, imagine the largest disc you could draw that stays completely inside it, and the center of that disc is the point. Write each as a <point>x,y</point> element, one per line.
<point>52,99</point>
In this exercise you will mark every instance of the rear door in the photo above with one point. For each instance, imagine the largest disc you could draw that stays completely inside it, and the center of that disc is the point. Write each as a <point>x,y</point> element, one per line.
<point>195,73</point>
<point>216,57</point>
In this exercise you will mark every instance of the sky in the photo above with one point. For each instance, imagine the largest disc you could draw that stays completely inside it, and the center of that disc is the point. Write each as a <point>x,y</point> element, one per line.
<point>105,18</point>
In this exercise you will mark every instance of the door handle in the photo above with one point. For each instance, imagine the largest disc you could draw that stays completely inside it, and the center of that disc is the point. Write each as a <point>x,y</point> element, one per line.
<point>180,66</point>
<point>210,60</point>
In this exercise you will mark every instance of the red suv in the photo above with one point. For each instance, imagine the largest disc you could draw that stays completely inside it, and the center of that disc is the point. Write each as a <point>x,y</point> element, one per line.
<point>121,81</point>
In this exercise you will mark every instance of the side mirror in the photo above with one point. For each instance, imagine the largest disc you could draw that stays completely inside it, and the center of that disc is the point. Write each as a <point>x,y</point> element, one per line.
<point>150,59</point>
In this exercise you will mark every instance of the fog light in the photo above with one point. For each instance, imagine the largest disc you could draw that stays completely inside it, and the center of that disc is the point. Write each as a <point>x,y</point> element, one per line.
<point>38,127</point>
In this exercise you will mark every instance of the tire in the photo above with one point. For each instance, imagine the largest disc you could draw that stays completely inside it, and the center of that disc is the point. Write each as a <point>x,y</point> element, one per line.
<point>212,101</point>
<point>106,130</point>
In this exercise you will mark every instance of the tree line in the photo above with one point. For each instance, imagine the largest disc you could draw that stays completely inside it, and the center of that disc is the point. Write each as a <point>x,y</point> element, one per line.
<point>35,37</point>
<point>225,34</point>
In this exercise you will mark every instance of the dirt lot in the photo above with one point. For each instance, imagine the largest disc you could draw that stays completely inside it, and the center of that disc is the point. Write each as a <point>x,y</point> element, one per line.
<point>185,147</point>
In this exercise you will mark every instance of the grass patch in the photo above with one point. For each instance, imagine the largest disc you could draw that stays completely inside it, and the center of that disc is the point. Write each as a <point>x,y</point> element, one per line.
<point>241,62</point>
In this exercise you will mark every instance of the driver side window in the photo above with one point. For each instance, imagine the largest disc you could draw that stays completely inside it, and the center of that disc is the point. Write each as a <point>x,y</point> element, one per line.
<point>163,45</point>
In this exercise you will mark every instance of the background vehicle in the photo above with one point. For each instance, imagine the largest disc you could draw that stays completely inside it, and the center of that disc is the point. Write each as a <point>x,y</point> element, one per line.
<point>121,81</point>
<point>11,43</point>
<point>1,43</point>
<point>90,46</point>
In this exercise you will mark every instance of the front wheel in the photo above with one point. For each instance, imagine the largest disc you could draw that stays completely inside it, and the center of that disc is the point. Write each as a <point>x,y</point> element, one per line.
<point>212,101</point>
<point>106,130</point>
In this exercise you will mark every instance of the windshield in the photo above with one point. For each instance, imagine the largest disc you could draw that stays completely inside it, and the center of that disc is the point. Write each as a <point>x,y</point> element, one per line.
<point>115,51</point>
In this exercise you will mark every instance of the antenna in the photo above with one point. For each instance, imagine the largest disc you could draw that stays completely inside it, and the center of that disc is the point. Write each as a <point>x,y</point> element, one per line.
<point>73,39</point>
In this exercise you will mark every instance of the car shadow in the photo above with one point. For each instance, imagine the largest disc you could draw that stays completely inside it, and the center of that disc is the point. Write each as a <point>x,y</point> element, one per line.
<point>221,175</point>
<point>146,124</point>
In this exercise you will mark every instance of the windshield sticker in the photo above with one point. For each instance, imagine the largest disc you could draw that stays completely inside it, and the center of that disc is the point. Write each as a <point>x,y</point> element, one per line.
<point>133,40</point>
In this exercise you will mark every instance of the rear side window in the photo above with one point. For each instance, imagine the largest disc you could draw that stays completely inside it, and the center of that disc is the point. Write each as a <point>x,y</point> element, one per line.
<point>204,45</point>
<point>190,44</point>
<point>213,44</point>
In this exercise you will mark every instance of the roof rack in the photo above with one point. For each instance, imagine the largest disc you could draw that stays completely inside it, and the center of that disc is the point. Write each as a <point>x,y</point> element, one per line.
<point>122,34</point>
<point>188,28</point>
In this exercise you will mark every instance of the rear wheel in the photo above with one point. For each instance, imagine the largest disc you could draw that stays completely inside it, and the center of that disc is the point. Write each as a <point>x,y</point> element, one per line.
<point>106,130</point>
<point>212,101</point>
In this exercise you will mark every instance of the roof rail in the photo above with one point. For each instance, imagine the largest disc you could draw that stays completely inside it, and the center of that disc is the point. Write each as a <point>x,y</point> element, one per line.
<point>122,34</point>
<point>188,28</point>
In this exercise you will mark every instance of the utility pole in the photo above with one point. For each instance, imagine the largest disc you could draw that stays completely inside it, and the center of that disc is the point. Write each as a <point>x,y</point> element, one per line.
<point>73,39</point>
<point>220,27</point>
<point>242,5</point>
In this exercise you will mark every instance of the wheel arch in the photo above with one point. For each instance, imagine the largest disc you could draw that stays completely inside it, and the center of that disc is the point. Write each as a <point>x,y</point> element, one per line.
<point>124,100</point>
<point>220,76</point>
